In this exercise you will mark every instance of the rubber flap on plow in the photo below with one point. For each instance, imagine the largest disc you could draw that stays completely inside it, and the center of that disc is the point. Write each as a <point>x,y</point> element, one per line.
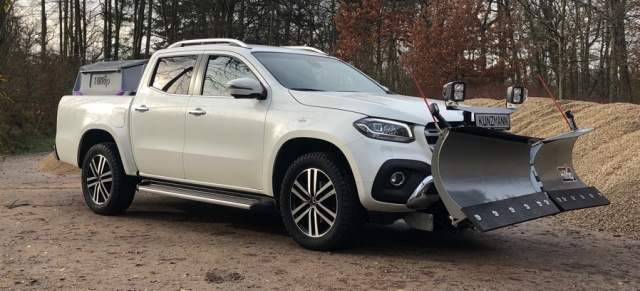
<point>489,177</point>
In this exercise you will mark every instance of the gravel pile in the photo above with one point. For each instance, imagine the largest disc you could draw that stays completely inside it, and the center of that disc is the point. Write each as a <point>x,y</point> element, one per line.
<point>607,158</point>
<point>50,165</point>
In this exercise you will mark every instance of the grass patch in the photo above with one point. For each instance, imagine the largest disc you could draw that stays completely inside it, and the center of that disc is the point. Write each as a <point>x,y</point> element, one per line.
<point>27,146</point>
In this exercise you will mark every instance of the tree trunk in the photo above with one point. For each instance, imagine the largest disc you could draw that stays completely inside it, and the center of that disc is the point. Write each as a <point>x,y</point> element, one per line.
<point>140,28</point>
<point>605,65</point>
<point>65,31</point>
<point>43,30</point>
<point>107,30</point>
<point>228,26</point>
<point>174,22</point>
<point>333,32</point>
<point>619,53</point>
<point>3,17</point>
<point>118,22</point>
<point>241,21</point>
<point>60,27</point>
<point>84,31</point>
<point>77,31</point>
<point>148,42</point>
<point>136,33</point>
<point>272,24</point>
<point>72,32</point>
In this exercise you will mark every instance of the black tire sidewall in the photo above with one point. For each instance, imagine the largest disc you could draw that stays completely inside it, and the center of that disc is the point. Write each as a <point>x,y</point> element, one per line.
<point>349,213</point>
<point>122,188</point>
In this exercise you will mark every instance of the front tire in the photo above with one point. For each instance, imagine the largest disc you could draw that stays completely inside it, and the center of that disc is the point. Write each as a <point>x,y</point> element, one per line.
<point>106,188</point>
<point>319,202</point>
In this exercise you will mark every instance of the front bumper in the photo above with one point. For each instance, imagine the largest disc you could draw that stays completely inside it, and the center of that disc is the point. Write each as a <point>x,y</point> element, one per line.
<point>373,163</point>
<point>412,173</point>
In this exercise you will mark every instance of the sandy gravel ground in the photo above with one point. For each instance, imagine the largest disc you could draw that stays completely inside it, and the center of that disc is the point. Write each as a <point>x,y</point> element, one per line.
<point>50,240</point>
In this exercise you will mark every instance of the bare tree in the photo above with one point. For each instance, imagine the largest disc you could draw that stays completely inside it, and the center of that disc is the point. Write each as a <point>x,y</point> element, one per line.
<point>43,29</point>
<point>149,19</point>
<point>620,69</point>
<point>107,30</point>
<point>5,7</point>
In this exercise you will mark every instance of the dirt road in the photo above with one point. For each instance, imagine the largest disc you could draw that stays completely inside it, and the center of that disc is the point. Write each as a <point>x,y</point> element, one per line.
<point>50,240</point>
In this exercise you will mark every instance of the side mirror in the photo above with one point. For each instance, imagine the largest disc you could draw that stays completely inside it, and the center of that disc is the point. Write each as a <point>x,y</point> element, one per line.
<point>246,88</point>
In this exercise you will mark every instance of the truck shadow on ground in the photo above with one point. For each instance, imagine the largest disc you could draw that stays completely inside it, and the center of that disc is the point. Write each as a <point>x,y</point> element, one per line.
<point>373,236</point>
<point>184,211</point>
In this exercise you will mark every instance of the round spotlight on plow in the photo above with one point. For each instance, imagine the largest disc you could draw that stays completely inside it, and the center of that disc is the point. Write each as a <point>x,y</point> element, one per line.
<point>397,179</point>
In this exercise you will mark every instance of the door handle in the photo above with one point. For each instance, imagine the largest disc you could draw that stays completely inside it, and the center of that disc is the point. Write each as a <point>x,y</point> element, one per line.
<point>141,108</point>
<point>197,112</point>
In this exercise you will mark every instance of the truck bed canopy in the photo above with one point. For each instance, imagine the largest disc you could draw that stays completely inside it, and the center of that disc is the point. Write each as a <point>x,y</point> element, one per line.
<point>109,78</point>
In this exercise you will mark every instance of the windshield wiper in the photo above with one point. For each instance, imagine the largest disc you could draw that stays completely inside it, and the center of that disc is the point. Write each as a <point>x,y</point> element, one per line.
<point>306,89</point>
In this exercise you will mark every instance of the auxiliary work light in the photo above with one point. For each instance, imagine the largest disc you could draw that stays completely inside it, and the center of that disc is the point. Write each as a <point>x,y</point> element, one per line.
<point>516,95</point>
<point>454,92</point>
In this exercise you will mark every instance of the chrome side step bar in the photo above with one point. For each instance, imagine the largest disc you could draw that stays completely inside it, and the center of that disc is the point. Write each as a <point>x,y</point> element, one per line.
<point>209,195</point>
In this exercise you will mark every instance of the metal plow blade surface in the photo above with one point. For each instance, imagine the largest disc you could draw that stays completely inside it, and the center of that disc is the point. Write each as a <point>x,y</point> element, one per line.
<point>555,170</point>
<point>489,177</point>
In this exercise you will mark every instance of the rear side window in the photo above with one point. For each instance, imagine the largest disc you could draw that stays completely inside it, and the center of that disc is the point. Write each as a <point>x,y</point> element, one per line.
<point>173,74</point>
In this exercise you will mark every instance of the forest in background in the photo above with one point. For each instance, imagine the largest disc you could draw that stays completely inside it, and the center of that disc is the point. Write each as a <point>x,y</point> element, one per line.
<point>584,49</point>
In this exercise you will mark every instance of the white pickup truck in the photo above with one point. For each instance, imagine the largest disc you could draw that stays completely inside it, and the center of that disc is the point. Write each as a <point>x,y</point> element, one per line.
<point>295,130</point>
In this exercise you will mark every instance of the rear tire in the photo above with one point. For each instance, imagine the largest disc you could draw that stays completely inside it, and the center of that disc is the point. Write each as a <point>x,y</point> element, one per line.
<point>319,202</point>
<point>106,187</point>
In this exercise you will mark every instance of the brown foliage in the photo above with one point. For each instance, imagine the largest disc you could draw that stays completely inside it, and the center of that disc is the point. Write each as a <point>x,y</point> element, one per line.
<point>369,33</point>
<point>466,40</point>
<point>450,42</point>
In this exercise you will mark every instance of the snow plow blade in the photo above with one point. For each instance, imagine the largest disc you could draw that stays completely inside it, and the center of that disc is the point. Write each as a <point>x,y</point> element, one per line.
<point>555,170</point>
<point>491,177</point>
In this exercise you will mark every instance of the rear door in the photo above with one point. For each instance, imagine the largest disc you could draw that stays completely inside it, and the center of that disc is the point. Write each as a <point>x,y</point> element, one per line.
<point>158,117</point>
<point>224,136</point>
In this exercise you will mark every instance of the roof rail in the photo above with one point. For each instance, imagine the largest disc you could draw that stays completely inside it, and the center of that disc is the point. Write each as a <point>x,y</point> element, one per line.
<point>229,41</point>
<point>306,48</point>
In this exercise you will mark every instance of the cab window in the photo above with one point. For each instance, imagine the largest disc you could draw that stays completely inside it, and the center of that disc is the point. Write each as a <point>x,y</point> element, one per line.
<point>221,70</point>
<point>173,74</point>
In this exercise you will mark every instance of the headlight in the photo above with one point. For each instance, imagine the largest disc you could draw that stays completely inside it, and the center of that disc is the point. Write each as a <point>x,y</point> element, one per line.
<point>385,129</point>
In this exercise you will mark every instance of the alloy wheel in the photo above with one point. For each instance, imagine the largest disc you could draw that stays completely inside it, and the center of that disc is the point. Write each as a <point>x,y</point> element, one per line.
<point>99,179</point>
<point>314,202</point>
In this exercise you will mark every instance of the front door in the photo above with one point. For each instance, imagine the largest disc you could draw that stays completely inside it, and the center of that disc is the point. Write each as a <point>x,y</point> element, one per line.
<point>224,136</point>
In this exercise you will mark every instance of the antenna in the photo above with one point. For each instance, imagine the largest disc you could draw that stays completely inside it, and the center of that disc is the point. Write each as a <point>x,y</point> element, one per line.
<point>415,81</point>
<point>556,102</point>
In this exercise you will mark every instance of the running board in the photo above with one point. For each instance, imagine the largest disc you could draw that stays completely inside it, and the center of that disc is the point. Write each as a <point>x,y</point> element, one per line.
<point>209,195</point>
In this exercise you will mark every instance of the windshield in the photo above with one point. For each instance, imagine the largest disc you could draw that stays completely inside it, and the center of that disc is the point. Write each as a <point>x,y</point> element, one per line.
<point>316,73</point>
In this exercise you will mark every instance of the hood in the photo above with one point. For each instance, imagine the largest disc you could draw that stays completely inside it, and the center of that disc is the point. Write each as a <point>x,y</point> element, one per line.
<point>390,106</point>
